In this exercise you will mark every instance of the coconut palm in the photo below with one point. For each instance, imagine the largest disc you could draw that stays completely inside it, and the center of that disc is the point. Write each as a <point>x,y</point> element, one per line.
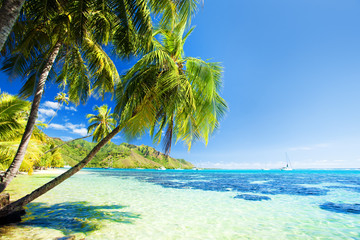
<point>70,32</point>
<point>61,98</point>
<point>193,113</point>
<point>102,123</point>
<point>12,123</point>
<point>9,12</point>
<point>175,96</point>
<point>52,158</point>
<point>181,7</point>
<point>12,111</point>
<point>45,43</point>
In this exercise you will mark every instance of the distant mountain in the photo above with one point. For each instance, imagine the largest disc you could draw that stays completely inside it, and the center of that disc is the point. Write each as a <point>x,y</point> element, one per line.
<point>119,156</point>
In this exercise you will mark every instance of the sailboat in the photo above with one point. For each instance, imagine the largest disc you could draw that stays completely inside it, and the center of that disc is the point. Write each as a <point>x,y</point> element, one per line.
<point>288,164</point>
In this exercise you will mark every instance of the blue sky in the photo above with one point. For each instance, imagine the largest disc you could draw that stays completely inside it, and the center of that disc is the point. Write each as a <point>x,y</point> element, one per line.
<point>291,79</point>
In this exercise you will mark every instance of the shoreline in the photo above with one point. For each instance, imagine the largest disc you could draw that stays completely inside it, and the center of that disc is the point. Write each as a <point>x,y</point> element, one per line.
<point>49,171</point>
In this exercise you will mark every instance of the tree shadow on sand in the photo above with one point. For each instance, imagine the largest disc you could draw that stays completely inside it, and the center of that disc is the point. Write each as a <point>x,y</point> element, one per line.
<point>75,217</point>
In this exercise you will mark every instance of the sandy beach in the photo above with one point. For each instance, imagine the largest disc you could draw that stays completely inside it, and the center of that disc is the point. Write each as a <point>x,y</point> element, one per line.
<point>55,171</point>
<point>50,171</point>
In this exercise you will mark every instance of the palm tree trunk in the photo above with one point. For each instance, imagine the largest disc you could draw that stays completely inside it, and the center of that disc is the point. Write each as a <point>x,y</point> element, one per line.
<point>53,116</point>
<point>65,144</point>
<point>9,12</point>
<point>19,204</point>
<point>20,154</point>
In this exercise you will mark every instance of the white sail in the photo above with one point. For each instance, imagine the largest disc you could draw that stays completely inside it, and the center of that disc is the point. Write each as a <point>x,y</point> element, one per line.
<point>288,164</point>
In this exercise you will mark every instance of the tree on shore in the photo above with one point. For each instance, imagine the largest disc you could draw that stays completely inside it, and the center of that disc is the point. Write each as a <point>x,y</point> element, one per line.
<point>49,39</point>
<point>102,123</point>
<point>9,12</point>
<point>13,114</point>
<point>171,93</point>
<point>73,32</point>
<point>145,103</point>
<point>61,98</point>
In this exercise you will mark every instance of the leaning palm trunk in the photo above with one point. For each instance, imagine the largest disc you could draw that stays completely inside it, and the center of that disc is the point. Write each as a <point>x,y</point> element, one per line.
<point>48,123</point>
<point>19,156</point>
<point>19,204</point>
<point>65,143</point>
<point>9,12</point>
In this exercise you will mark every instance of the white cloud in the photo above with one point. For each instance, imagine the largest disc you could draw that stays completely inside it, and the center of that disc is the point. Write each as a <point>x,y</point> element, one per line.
<point>49,104</point>
<point>71,108</point>
<point>77,128</point>
<point>80,131</point>
<point>57,126</point>
<point>44,113</point>
<point>74,126</point>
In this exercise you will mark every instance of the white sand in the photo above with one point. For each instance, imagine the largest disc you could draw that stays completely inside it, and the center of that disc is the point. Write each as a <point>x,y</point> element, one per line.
<point>55,171</point>
<point>51,171</point>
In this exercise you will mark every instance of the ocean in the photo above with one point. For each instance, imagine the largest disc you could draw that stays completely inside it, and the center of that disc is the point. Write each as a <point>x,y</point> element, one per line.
<point>190,204</point>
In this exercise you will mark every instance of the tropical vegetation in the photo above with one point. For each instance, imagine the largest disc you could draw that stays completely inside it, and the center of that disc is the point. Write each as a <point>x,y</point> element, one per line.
<point>14,112</point>
<point>67,34</point>
<point>72,33</point>
<point>43,151</point>
<point>172,96</point>
<point>170,93</point>
<point>119,156</point>
<point>102,123</point>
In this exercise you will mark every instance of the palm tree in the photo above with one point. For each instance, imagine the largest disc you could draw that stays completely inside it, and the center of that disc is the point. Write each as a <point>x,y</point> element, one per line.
<point>47,41</point>
<point>73,30</point>
<point>102,123</point>
<point>12,111</point>
<point>175,97</point>
<point>61,98</point>
<point>9,12</point>
<point>52,158</point>
<point>13,114</point>
<point>196,108</point>
<point>183,8</point>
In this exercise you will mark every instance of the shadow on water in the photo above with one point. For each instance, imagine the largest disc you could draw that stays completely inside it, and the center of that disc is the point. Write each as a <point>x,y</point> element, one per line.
<point>75,217</point>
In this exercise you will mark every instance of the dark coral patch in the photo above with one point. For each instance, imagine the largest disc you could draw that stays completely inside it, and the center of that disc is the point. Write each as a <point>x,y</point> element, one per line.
<point>341,207</point>
<point>251,197</point>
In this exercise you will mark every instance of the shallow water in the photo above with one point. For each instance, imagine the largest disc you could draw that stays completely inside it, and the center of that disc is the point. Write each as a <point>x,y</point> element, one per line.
<point>208,204</point>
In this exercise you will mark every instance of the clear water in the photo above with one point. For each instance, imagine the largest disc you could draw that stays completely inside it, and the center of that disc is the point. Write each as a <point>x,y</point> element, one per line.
<point>208,204</point>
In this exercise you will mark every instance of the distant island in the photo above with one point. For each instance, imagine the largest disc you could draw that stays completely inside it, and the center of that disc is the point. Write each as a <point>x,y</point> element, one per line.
<point>124,155</point>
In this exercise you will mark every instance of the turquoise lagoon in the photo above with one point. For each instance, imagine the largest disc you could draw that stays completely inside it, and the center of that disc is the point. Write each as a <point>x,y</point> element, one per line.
<point>207,204</point>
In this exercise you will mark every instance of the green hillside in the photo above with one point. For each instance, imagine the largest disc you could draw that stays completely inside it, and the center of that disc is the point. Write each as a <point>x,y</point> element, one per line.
<point>119,156</point>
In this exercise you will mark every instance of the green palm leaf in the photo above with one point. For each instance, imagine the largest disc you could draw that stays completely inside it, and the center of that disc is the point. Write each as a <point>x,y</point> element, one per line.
<point>102,123</point>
